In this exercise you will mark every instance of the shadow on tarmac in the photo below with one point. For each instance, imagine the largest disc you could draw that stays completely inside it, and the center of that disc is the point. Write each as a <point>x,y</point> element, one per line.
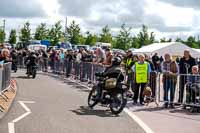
<point>22,77</point>
<point>84,110</point>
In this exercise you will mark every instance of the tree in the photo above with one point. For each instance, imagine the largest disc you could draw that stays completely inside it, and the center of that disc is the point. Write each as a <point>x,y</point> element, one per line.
<point>55,34</point>
<point>13,37</point>
<point>106,36</point>
<point>135,43</point>
<point>165,40</point>
<point>191,42</point>
<point>90,39</point>
<point>123,40</point>
<point>178,40</point>
<point>25,34</point>
<point>144,38</point>
<point>73,34</point>
<point>41,32</point>
<point>2,35</point>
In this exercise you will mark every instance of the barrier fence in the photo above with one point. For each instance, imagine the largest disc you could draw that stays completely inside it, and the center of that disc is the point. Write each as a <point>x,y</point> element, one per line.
<point>5,76</point>
<point>183,89</point>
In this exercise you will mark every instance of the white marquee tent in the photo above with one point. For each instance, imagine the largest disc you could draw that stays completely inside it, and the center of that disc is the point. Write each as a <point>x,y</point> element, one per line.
<point>173,48</point>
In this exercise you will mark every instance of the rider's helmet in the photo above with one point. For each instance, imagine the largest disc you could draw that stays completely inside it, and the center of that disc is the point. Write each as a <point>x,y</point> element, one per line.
<point>116,61</point>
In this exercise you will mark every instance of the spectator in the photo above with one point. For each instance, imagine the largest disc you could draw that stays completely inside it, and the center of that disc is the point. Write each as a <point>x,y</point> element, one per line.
<point>62,58</point>
<point>142,71</point>
<point>57,61</point>
<point>170,71</point>
<point>185,67</point>
<point>100,56</point>
<point>156,62</point>
<point>161,59</point>
<point>87,58</point>
<point>52,57</point>
<point>5,56</point>
<point>129,62</point>
<point>69,59</point>
<point>77,64</point>
<point>177,60</point>
<point>45,61</point>
<point>108,58</point>
<point>153,76</point>
<point>193,87</point>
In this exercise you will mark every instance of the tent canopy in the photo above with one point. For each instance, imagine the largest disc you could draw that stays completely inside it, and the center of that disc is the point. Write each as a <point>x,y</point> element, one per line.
<point>173,48</point>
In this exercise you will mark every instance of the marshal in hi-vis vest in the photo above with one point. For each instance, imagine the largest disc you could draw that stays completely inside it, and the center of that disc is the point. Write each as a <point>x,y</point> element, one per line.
<point>128,63</point>
<point>141,71</point>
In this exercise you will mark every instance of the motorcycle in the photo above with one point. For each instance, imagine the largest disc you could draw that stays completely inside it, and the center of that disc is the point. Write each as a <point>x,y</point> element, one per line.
<point>111,93</point>
<point>32,71</point>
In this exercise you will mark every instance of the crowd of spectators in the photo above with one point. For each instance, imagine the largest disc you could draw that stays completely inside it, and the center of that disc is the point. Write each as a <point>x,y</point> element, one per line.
<point>65,61</point>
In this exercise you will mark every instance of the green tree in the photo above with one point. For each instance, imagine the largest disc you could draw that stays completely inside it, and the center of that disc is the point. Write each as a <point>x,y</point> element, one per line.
<point>135,43</point>
<point>2,35</point>
<point>25,34</point>
<point>73,34</point>
<point>13,37</point>
<point>191,42</point>
<point>144,38</point>
<point>178,40</point>
<point>165,40</point>
<point>56,34</point>
<point>123,40</point>
<point>106,36</point>
<point>41,32</point>
<point>90,39</point>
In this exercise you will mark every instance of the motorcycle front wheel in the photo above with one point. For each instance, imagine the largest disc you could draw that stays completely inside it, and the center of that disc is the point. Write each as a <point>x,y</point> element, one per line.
<point>118,103</point>
<point>92,97</point>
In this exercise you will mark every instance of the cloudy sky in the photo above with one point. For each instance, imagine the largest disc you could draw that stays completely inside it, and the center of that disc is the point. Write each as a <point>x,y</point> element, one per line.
<point>167,18</point>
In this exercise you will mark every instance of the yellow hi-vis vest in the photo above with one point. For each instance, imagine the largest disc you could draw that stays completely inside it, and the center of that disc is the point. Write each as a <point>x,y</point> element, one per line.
<point>141,71</point>
<point>128,63</point>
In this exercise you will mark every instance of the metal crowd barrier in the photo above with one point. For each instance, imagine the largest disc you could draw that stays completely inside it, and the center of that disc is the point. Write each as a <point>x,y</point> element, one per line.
<point>5,76</point>
<point>182,89</point>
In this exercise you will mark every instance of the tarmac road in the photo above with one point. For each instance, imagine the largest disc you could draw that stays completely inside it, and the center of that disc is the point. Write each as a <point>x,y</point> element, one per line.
<point>61,107</point>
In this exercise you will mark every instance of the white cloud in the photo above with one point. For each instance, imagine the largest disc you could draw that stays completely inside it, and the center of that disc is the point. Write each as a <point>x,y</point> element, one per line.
<point>21,8</point>
<point>164,17</point>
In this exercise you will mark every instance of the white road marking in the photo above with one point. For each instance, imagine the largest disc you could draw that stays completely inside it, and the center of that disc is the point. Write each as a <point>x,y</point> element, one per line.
<point>138,120</point>
<point>21,117</point>
<point>127,111</point>
<point>11,125</point>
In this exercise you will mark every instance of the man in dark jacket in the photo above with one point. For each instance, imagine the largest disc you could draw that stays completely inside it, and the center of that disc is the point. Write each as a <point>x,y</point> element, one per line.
<point>156,62</point>
<point>69,59</point>
<point>185,66</point>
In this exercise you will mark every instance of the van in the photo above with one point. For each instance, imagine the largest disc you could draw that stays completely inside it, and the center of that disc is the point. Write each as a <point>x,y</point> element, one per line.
<point>37,47</point>
<point>77,47</point>
<point>102,45</point>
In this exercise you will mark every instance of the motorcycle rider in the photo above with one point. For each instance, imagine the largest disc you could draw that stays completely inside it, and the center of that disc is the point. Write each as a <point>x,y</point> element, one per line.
<point>114,71</point>
<point>31,60</point>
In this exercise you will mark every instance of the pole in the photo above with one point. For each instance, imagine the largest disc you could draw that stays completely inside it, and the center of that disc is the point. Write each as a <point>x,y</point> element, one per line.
<point>4,25</point>
<point>66,29</point>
